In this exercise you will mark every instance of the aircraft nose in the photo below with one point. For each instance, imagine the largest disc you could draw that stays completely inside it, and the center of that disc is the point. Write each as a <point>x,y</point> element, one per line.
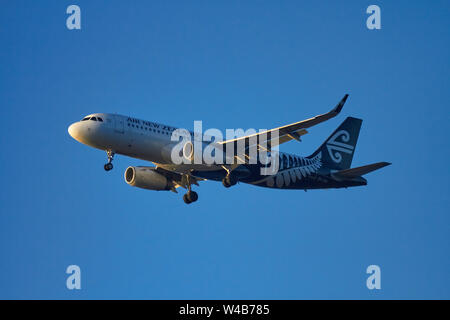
<point>74,131</point>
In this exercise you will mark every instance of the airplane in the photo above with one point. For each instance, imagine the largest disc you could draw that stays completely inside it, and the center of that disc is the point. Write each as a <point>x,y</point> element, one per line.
<point>327,167</point>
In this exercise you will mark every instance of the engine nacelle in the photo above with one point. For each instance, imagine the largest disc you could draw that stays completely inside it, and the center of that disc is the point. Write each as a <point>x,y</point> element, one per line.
<point>188,151</point>
<point>181,151</point>
<point>146,178</point>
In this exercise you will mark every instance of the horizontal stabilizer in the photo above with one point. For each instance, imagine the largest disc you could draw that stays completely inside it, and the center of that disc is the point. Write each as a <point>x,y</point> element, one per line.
<point>360,171</point>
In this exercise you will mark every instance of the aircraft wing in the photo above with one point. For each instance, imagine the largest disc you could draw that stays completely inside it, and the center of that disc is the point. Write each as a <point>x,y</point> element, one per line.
<point>285,133</point>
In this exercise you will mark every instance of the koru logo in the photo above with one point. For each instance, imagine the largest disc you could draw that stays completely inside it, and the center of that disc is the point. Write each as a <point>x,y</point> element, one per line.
<point>335,147</point>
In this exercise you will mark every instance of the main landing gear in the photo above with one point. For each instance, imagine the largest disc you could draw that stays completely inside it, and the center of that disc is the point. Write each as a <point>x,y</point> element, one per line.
<point>190,196</point>
<point>108,166</point>
<point>229,180</point>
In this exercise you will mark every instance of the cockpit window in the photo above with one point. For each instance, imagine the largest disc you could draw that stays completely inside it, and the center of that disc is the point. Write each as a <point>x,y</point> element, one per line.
<point>92,118</point>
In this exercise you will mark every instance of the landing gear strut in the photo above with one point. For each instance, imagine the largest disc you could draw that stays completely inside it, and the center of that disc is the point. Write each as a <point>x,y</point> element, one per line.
<point>108,166</point>
<point>190,196</point>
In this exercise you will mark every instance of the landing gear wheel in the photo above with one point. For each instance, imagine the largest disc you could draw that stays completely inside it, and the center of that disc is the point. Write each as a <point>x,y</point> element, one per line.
<point>186,199</point>
<point>229,181</point>
<point>192,196</point>
<point>108,166</point>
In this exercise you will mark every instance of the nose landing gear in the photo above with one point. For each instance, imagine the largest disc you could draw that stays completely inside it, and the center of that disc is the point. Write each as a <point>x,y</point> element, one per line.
<point>108,166</point>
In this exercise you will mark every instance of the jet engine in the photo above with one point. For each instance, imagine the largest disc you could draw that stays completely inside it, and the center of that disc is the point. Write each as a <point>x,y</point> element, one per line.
<point>188,151</point>
<point>146,178</point>
<point>183,152</point>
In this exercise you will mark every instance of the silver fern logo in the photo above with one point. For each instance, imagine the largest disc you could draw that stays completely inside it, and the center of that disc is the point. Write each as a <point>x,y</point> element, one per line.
<point>335,147</point>
<point>303,168</point>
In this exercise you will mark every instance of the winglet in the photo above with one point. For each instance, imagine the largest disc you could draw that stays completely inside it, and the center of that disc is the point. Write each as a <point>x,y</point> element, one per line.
<point>341,103</point>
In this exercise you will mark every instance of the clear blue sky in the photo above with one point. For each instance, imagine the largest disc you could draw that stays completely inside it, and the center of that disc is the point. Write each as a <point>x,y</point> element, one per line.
<point>232,64</point>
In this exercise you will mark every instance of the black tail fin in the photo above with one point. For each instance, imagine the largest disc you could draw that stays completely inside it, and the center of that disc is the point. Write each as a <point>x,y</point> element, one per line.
<point>337,151</point>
